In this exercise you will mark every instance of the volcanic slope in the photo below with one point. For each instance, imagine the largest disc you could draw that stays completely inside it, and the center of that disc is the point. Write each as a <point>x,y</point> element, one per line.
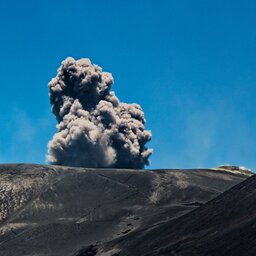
<point>224,226</point>
<point>51,210</point>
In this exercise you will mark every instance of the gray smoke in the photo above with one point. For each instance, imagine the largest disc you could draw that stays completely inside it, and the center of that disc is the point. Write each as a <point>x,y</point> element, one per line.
<point>94,128</point>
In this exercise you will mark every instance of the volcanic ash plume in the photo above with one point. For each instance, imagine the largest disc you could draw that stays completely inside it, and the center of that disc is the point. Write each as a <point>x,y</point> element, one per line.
<point>94,128</point>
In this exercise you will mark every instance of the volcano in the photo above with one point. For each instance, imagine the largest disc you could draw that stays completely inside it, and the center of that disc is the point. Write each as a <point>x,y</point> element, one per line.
<point>56,211</point>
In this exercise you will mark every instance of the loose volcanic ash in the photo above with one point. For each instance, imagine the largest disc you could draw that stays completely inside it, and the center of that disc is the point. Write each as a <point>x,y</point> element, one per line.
<point>94,128</point>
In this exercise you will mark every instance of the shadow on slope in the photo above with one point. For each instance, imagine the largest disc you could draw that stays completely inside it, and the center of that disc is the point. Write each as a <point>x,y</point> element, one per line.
<point>224,226</point>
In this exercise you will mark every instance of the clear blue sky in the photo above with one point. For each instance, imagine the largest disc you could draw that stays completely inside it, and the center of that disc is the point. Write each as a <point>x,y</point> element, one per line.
<point>190,64</point>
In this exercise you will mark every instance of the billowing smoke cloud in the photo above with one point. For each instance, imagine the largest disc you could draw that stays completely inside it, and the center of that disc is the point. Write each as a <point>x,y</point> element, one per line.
<point>94,128</point>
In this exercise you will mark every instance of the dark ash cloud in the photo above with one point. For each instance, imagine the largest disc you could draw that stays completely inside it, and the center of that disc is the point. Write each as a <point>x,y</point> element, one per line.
<point>94,128</point>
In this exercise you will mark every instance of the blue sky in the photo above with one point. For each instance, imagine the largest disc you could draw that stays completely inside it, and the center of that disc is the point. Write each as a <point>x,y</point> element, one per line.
<point>190,64</point>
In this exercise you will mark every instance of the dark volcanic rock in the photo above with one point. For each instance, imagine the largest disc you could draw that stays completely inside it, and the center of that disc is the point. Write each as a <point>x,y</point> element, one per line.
<point>90,250</point>
<point>224,226</point>
<point>53,211</point>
